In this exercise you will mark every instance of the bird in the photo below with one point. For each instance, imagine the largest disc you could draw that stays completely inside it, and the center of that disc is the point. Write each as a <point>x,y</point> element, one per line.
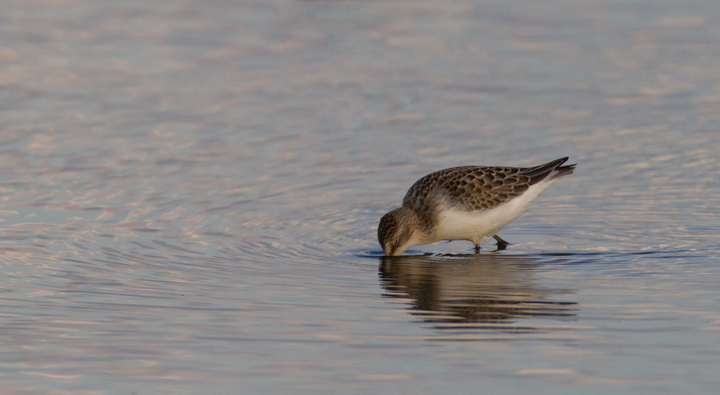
<point>466,203</point>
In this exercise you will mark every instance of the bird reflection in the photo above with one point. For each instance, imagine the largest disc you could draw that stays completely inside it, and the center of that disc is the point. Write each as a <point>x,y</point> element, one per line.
<point>474,293</point>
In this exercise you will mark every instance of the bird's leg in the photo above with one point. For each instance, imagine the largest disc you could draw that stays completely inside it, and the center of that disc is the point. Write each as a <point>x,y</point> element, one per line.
<point>477,248</point>
<point>501,244</point>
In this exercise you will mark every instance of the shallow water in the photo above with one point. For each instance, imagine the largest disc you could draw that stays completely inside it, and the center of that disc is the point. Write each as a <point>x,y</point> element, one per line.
<point>190,194</point>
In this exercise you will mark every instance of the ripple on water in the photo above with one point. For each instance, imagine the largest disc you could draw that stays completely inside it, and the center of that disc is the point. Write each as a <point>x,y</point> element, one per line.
<point>322,240</point>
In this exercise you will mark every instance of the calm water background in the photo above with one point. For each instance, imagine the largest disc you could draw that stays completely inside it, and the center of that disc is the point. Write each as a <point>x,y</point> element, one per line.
<point>190,192</point>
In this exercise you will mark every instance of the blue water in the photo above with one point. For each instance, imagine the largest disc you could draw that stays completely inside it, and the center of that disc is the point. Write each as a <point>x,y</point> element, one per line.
<point>190,196</point>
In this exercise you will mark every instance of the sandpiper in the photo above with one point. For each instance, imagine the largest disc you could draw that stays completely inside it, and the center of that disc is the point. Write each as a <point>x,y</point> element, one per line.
<point>465,203</point>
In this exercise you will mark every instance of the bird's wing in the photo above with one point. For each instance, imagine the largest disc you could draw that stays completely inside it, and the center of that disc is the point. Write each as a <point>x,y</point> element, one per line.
<point>476,188</point>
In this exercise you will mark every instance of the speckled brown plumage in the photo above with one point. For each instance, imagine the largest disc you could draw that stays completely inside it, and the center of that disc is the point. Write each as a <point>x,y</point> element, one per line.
<point>476,188</point>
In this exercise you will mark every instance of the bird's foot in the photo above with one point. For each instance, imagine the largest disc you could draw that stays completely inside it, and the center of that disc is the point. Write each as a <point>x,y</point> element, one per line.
<point>501,244</point>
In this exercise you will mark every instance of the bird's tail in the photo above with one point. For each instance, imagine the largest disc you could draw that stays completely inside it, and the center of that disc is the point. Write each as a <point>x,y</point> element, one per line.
<point>549,171</point>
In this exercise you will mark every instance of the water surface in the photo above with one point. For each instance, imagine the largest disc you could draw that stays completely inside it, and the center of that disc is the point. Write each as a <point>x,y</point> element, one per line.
<point>190,194</point>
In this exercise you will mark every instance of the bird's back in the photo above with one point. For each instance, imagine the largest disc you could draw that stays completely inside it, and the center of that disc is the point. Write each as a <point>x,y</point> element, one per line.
<point>477,188</point>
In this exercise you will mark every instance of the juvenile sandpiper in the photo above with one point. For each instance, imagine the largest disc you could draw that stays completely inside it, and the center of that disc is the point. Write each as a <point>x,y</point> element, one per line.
<point>465,203</point>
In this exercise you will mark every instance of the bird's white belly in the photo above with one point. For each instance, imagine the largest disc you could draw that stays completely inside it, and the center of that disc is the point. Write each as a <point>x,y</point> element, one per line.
<point>461,225</point>
<point>456,224</point>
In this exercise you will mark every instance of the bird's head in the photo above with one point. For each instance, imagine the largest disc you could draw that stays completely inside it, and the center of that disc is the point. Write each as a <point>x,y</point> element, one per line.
<point>398,231</point>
